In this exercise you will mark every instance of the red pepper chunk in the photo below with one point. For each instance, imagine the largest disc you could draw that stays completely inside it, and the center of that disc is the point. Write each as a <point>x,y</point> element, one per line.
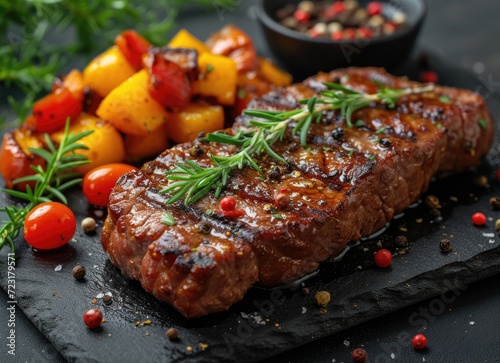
<point>52,110</point>
<point>169,84</point>
<point>133,47</point>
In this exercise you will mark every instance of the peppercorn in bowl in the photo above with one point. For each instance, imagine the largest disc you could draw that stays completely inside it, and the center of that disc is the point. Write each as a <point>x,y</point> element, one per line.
<point>312,36</point>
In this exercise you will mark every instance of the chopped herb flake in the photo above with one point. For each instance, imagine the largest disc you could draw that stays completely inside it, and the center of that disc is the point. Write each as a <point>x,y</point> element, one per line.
<point>278,216</point>
<point>380,130</point>
<point>210,68</point>
<point>242,93</point>
<point>359,123</point>
<point>439,126</point>
<point>194,249</point>
<point>445,99</point>
<point>326,148</point>
<point>351,153</point>
<point>168,219</point>
<point>482,124</point>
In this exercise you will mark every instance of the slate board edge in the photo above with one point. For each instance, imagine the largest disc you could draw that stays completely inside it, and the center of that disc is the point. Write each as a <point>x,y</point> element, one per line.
<point>450,277</point>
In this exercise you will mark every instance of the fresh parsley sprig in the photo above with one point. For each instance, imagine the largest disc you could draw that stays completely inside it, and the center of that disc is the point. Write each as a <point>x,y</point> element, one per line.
<point>50,182</point>
<point>192,182</point>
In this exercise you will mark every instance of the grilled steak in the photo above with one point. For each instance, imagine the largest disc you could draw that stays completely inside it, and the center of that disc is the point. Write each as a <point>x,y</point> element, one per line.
<point>347,184</point>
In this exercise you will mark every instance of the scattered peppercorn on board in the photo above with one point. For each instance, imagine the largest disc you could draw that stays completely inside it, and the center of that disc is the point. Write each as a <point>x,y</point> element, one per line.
<point>266,322</point>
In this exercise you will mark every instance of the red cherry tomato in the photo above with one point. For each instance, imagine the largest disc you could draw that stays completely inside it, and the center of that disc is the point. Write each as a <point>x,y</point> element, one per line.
<point>133,47</point>
<point>52,110</point>
<point>98,182</point>
<point>49,226</point>
<point>92,318</point>
<point>419,341</point>
<point>383,258</point>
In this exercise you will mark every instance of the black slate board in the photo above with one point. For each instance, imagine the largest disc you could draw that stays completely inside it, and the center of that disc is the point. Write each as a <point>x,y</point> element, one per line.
<point>266,322</point>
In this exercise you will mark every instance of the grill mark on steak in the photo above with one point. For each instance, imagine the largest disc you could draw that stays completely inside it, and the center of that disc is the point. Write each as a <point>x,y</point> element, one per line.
<point>335,195</point>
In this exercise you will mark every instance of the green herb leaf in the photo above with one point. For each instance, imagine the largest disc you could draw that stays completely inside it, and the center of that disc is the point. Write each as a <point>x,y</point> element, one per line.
<point>359,123</point>
<point>482,124</point>
<point>445,99</point>
<point>168,219</point>
<point>242,93</point>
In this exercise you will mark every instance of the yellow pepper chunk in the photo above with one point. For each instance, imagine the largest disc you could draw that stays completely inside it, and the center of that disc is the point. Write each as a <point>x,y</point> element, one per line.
<point>273,74</point>
<point>219,77</point>
<point>141,147</point>
<point>130,107</point>
<point>188,122</point>
<point>107,71</point>
<point>184,39</point>
<point>105,144</point>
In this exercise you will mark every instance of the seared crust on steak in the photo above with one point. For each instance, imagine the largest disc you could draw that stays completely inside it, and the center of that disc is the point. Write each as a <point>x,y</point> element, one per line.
<point>347,184</point>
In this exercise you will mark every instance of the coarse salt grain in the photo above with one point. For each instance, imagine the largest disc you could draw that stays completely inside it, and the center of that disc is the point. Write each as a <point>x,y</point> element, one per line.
<point>347,343</point>
<point>471,323</point>
<point>393,356</point>
<point>58,268</point>
<point>304,310</point>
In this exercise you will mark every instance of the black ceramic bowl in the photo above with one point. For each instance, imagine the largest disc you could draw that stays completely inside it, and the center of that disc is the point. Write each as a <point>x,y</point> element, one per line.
<point>304,56</point>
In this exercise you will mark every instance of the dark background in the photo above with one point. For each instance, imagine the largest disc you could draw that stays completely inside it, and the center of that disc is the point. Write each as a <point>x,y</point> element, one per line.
<point>465,33</point>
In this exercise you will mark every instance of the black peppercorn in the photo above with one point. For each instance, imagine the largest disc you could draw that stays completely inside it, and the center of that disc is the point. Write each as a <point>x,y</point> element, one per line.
<point>205,228</point>
<point>274,173</point>
<point>434,213</point>
<point>385,142</point>
<point>401,241</point>
<point>196,151</point>
<point>78,272</point>
<point>495,203</point>
<point>107,299</point>
<point>338,133</point>
<point>172,334</point>
<point>305,291</point>
<point>445,245</point>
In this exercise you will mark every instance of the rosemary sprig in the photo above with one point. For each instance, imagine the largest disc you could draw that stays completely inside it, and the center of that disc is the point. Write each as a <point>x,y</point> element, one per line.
<point>192,182</point>
<point>50,183</point>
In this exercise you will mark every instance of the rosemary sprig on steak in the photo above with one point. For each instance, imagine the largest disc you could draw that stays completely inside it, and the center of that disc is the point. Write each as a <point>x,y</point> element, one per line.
<point>192,182</point>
